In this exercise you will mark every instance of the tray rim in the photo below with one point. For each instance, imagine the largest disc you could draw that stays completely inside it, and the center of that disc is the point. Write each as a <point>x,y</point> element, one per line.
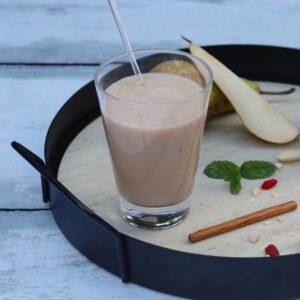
<point>92,117</point>
<point>123,241</point>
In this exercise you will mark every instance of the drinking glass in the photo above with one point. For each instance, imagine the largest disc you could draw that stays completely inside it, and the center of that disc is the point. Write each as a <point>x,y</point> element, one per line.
<point>154,146</point>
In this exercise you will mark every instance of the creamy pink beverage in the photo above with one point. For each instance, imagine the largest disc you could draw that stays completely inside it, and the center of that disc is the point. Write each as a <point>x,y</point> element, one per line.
<point>155,145</point>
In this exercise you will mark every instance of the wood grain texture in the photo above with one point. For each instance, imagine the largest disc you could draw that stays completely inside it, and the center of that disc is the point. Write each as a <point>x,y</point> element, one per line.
<point>37,262</point>
<point>83,31</point>
<point>86,171</point>
<point>29,99</point>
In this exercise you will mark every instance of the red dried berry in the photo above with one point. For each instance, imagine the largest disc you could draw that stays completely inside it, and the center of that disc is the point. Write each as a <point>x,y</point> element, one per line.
<point>272,250</point>
<point>268,184</point>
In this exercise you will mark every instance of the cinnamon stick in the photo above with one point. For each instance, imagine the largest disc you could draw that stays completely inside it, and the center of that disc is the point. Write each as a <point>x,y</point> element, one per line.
<point>243,221</point>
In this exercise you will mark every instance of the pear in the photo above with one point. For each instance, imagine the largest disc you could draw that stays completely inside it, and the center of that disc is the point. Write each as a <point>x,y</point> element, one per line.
<point>255,112</point>
<point>180,67</point>
<point>218,103</point>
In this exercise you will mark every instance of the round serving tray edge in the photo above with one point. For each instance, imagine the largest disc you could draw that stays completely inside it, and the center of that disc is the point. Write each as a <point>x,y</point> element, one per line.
<point>178,273</point>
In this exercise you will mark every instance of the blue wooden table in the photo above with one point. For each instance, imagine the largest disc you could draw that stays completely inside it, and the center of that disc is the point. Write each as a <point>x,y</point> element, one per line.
<point>47,51</point>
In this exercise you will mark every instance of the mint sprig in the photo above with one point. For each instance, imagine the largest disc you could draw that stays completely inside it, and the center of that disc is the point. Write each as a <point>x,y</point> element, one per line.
<point>257,169</point>
<point>235,185</point>
<point>230,172</point>
<point>221,169</point>
<point>226,170</point>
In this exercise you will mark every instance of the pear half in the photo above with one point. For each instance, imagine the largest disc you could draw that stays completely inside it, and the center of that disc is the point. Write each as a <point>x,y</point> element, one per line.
<point>257,114</point>
<point>218,103</point>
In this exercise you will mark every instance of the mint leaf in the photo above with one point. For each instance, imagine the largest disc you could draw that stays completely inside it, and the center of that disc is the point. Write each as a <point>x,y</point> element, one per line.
<point>222,169</point>
<point>257,169</point>
<point>235,185</point>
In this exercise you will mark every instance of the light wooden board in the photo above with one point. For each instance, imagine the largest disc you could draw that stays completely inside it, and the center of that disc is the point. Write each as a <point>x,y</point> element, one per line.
<point>86,171</point>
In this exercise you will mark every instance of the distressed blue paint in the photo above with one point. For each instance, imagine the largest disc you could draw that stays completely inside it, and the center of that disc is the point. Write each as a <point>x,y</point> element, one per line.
<point>83,31</point>
<point>37,262</point>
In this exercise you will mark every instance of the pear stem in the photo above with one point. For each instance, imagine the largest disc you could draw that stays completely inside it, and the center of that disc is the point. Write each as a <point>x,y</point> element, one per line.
<point>186,39</point>
<point>283,92</point>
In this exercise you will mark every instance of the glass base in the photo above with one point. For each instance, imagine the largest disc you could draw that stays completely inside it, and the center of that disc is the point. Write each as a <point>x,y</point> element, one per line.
<point>154,218</point>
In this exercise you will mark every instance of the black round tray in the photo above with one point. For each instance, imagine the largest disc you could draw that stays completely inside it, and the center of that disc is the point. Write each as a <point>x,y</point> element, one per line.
<point>174,272</point>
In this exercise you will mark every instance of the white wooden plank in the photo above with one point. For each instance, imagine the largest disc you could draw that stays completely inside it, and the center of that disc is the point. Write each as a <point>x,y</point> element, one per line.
<point>37,262</point>
<point>83,31</point>
<point>86,171</point>
<point>29,99</point>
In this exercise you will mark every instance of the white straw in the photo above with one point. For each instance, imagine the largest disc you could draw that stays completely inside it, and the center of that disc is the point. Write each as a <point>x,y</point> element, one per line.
<point>125,40</point>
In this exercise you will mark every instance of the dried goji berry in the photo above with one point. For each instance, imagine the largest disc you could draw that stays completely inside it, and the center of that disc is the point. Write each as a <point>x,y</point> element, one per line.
<point>272,250</point>
<point>268,184</point>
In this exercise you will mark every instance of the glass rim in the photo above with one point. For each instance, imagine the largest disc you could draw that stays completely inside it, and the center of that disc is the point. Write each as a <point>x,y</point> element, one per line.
<point>182,53</point>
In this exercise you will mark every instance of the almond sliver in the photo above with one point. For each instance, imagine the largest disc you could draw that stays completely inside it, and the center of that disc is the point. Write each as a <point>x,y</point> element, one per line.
<point>289,155</point>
